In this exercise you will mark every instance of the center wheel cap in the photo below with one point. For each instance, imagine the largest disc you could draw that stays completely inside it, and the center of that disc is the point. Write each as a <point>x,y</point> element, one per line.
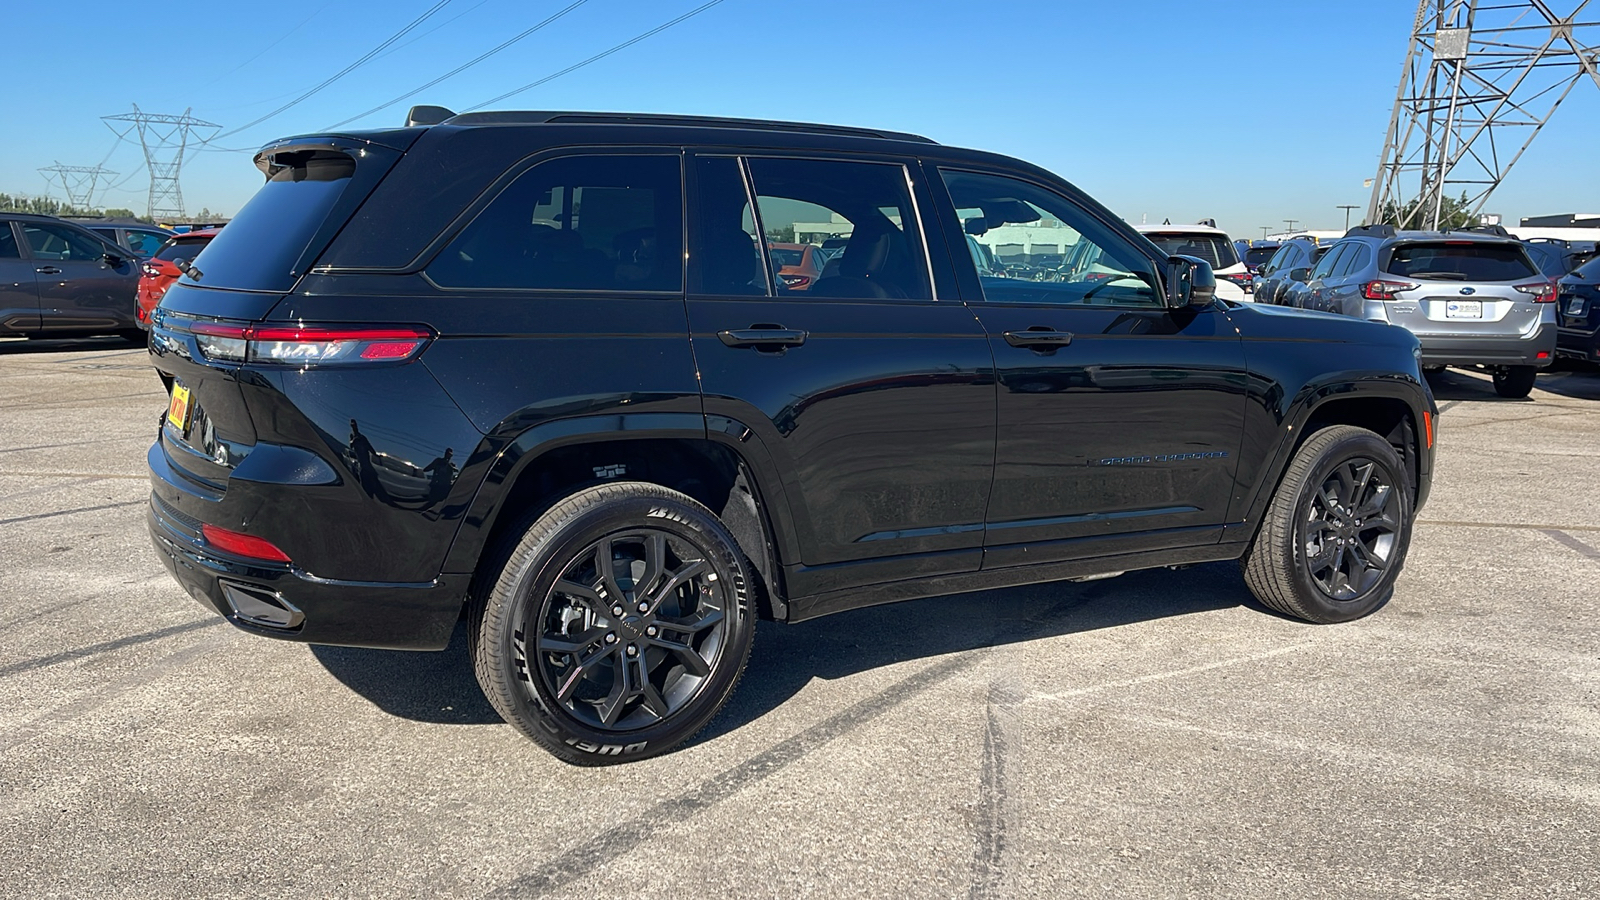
<point>631,628</point>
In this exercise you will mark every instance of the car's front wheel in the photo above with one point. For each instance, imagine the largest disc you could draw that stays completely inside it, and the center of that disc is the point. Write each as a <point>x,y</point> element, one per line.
<point>1515,382</point>
<point>618,626</point>
<point>1336,533</point>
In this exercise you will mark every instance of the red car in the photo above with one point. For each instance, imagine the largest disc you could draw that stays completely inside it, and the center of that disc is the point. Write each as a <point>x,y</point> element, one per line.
<point>160,273</point>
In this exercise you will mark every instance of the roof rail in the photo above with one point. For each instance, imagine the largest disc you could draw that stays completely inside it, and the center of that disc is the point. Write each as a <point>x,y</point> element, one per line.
<point>1379,231</point>
<point>1485,229</point>
<point>604,118</point>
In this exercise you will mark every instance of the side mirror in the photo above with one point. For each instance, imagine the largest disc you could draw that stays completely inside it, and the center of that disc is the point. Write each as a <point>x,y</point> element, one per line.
<point>1190,282</point>
<point>1302,274</point>
<point>111,259</point>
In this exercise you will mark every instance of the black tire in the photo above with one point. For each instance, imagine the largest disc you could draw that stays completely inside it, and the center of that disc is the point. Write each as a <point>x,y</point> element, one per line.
<point>1303,561</point>
<point>1515,382</point>
<point>549,640</point>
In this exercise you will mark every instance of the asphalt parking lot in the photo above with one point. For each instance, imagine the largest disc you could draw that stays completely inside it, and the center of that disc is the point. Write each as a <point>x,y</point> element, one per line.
<point>1155,735</point>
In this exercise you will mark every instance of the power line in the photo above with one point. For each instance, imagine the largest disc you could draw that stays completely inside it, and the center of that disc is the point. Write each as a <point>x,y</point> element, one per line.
<point>464,66</point>
<point>281,39</point>
<point>598,56</point>
<point>342,72</point>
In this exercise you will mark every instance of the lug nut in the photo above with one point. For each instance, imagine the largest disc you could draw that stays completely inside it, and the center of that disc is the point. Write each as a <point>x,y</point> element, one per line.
<point>712,577</point>
<point>652,631</point>
<point>632,650</point>
<point>644,607</point>
<point>616,610</point>
<point>611,639</point>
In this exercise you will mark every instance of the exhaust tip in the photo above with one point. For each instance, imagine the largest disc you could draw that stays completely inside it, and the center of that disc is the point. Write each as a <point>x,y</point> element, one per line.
<point>261,607</point>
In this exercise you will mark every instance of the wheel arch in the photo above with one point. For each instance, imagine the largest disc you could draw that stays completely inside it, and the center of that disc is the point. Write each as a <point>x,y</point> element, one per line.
<point>550,461</point>
<point>1392,410</point>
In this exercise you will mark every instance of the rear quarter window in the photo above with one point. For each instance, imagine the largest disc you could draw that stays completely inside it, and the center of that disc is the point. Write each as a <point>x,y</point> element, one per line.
<point>1460,261</point>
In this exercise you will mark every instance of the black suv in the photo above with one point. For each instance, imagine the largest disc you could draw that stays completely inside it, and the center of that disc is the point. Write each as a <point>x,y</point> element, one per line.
<point>539,368</point>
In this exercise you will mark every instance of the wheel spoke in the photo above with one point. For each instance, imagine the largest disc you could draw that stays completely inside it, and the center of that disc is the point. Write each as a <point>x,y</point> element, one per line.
<point>692,661</point>
<point>606,568</point>
<point>584,592</point>
<point>1363,478</point>
<point>655,561</point>
<point>1323,558</point>
<point>688,571</point>
<point>1345,475</point>
<point>702,620</point>
<point>652,700</point>
<point>1378,503</point>
<point>550,643</point>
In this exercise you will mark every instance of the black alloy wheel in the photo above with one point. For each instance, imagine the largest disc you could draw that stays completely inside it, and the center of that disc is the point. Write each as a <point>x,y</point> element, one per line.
<point>630,631</point>
<point>1349,540</point>
<point>1334,538</point>
<point>617,624</point>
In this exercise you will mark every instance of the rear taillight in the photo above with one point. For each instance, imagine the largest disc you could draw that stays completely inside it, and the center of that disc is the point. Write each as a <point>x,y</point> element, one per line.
<point>1385,290</point>
<point>240,544</point>
<point>1542,291</point>
<point>1242,279</point>
<point>150,270</point>
<point>310,345</point>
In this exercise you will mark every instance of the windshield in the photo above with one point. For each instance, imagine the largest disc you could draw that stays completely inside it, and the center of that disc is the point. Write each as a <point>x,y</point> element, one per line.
<point>1213,248</point>
<point>787,257</point>
<point>1461,261</point>
<point>1258,256</point>
<point>186,248</point>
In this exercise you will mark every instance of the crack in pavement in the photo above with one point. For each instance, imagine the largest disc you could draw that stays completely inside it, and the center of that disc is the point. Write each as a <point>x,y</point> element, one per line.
<point>1528,526</point>
<point>68,512</point>
<point>41,662</point>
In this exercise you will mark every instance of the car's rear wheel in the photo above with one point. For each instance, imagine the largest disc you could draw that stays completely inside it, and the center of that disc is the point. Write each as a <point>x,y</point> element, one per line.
<point>1515,381</point>
<point>618,626</point>
<point>1336,533</point>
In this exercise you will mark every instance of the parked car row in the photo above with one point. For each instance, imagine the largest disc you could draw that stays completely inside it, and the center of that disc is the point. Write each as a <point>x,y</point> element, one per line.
<point>65,279</point>
<point>1474,298</point>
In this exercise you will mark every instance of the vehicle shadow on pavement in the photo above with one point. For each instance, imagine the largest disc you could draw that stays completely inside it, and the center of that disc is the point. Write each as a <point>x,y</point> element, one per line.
<point>424,687</point>
<point>1451,385</point>
<point>787,657</point>
<point>440,687</point>
<point>1579,384</point>
<point>65,345</point>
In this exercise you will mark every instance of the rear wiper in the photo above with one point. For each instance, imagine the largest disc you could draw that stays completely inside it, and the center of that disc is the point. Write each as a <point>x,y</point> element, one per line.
<point>187,269</point>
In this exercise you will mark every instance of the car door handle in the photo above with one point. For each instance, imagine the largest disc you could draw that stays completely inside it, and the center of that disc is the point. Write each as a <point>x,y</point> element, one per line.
<point>48,270</point>
<point>763,336</point>
<point>1039,337</point>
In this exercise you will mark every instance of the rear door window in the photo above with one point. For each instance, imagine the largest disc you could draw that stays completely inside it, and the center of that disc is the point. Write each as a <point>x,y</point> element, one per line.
<point>8,242</point>
<point>1326,266</point>
<point>577,223</point>
<point>802,202</point>
<point>1460,261</point>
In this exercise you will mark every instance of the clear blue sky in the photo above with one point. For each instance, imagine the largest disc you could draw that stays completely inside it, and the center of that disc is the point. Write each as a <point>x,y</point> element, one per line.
<point>1250,111</point>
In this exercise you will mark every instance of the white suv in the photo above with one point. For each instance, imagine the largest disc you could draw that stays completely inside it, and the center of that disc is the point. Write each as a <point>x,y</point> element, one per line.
<point>1210,244</point>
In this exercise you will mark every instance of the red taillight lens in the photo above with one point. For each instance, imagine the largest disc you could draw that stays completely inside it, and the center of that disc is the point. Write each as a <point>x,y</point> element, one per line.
<point>332,345</point>
<point>239,544</point>
<point>309,345</point>
<point>1542,291</point>
<point>1385,290</point>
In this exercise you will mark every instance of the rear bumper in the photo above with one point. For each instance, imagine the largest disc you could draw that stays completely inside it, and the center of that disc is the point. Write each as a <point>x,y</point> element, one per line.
<point>1460,350</point>
<point>1575,344</point>
<point>285,602</point>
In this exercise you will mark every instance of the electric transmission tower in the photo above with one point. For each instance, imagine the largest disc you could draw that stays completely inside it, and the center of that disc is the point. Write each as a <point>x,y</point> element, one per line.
<point>1481,79</point>
<point>77,182</point>
<point>165,139</point>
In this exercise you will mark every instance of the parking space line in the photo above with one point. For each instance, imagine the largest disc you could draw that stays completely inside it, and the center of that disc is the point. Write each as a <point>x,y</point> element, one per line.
<point>83,479</point>
<point>68,512</point>
<point>92,476</point>
<point>1568,540</point>
<point>1527,526</point>
<point>1175,673</point>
